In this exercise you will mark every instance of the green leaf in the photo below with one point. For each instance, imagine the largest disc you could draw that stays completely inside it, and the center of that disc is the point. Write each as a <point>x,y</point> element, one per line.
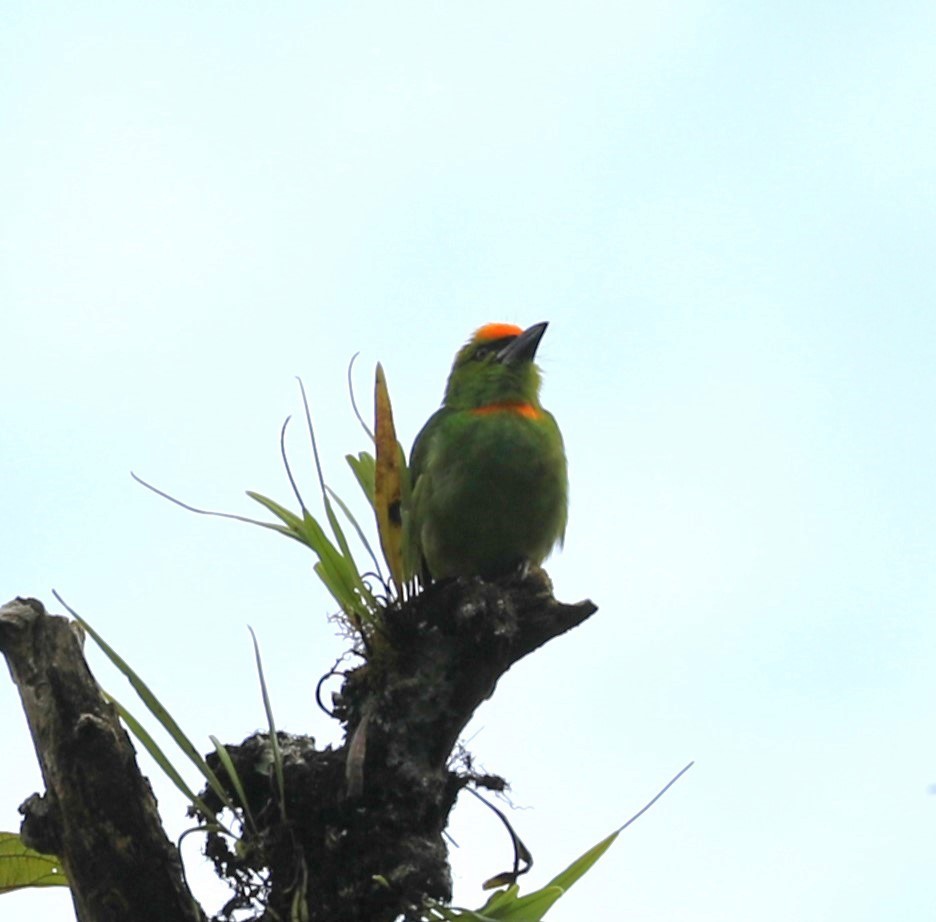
<point>154,706</point>
<point>438,912</point>
<point>336,569</point>
<point>532,907</point>
<point>329,510</point>
<point>336,566</point>
<point>293,522</point>
<point>364,468</point>
<point>299,908</point>
<point>354,405</point>
<point>500,900</point>
<point>582,864</point>
<point>506,906</point>
<point>354,522</point>
<point>274,740</point>
<point>336,587</point>
<point>225,758</point>
<point>497,903</point>
<point>22,867</point>
<point>340,572</point>
<point>218,515</point>
<point>161,759</point>
<point>315,537</point>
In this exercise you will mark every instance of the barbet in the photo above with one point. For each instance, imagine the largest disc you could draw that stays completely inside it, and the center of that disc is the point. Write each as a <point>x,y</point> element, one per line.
<point>488,470</point>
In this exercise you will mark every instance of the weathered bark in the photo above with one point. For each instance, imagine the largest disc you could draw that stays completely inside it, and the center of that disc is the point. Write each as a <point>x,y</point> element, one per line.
<point>363,839</point>
<point>359,836</point>
<point>98,814</point>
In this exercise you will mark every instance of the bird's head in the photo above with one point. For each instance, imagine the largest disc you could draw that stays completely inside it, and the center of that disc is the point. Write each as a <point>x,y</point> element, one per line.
<point>496,367</point>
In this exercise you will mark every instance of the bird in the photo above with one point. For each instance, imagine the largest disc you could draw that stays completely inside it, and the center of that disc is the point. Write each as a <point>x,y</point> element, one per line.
<point>488,472</point>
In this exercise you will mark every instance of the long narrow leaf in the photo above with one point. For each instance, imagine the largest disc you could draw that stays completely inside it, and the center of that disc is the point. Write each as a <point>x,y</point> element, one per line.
<point>152,703</point>
<point>532,907</point>
<point>335,586</point>
<point>388,488</point>
<point>338,572</point>
<point>293,522</point>
<point>498,902</point>
<point>341,570</point>
<point>357,528</point>
<point>574,871</point>
<point>307,530</point>
<point>360,599</point>
<point>507,906</point>
<point>329,511</point>
<point>274,740</point>
<point>319,541</point>
<point>342,575</point>
<point>225,758</point>
<point>364,468</point>
<point>354,405</point>
<point>197,511</point>
<point>162,760</point>
<point>440,913</point>
<point>583,863</point>
<point>299,908</point>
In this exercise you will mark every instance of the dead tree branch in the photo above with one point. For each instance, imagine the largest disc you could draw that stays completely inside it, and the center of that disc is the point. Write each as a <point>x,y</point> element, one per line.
<point>359,837</point>
<point>98,814</point>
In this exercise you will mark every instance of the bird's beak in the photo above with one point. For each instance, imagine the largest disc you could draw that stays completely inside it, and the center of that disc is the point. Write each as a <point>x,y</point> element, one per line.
<point>523,348</point>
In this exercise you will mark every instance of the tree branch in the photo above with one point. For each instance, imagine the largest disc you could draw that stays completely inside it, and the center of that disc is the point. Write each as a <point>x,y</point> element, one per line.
<point>360,835</point>
<point>363,840</point>
<point>98,814</point>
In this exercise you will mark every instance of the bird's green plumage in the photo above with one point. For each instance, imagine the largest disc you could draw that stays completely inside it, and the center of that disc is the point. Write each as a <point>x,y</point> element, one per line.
<point>488,470</point>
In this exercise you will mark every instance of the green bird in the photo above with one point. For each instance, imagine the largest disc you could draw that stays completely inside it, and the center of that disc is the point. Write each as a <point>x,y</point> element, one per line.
<point>488,470</point>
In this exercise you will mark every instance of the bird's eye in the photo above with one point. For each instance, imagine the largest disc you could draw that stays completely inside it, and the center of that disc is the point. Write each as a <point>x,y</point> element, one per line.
<point>481,353</point>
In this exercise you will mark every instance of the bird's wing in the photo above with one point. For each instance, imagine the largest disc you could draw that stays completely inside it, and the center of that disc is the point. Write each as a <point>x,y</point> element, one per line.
<point>412,548</point>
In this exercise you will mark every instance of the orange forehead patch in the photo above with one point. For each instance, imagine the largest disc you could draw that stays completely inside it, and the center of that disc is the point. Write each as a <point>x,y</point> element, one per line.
<point>496,331</point>
<point>526,410</point>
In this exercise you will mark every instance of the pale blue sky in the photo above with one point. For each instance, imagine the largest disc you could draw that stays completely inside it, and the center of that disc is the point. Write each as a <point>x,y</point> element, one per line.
<point>725,211</point>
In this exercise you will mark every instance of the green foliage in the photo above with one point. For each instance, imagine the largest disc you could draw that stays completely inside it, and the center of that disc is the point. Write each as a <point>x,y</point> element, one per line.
<point>324,536</point>
<point>172,728</point>
<point>224,757</point>
<point>36,873</point>
<point>508,906</point>
<point>22,867</point>
<point>274,740</point>
<point>165,719</point>
<point>161,759</point>
<point>336,567</point>
<point>364,467</point>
